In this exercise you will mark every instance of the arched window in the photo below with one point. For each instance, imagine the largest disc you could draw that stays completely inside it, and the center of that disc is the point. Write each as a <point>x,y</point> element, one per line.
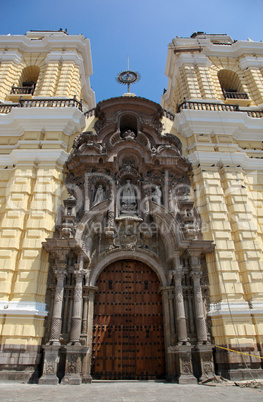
<point>231,85</point>
<point>128,122</point>
<point>27,81</point>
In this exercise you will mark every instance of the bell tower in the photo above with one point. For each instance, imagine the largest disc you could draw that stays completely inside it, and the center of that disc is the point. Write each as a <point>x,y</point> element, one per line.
<point>44,92</point>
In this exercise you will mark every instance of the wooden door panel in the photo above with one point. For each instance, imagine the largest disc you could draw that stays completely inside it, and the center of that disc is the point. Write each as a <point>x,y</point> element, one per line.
<point>128,324</point>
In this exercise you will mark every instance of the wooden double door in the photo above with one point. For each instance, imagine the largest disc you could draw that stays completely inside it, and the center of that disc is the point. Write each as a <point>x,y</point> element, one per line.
<point>128,324</point>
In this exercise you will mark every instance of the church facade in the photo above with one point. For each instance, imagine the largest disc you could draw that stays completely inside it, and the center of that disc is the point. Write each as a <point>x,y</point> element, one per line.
<point>131,232</point>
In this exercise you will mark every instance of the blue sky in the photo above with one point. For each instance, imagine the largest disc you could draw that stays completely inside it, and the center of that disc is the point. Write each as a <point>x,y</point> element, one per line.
<point>141,29</point>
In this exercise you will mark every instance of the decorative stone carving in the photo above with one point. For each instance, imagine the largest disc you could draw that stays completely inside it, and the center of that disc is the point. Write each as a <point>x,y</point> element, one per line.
<point>77,316</point>
<point>128,135</point>
<point>199,309</point>
<point>179,306</point>
<point>130,168</point>
<point>128,234</point>
<point>157,195</point>
<point>57,310</point>
<point>128,199</point>
<point>99,195</point>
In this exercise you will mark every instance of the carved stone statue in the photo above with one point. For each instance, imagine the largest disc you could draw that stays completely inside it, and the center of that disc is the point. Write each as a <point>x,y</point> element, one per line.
<point>99,196</point>
<point>157,195</point>
<point>128,198</point>
<point>128,135</point>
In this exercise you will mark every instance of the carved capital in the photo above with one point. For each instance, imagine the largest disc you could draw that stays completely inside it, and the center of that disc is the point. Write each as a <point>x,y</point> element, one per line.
<point>60,274</point>
<point>178,275</point>
<point>79,274</point>
<point>196,275</point>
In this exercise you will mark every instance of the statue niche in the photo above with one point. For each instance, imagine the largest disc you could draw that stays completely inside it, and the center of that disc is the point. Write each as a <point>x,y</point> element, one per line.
<point>128,199</point>
<point>157,195</point>
<point>99,195</point>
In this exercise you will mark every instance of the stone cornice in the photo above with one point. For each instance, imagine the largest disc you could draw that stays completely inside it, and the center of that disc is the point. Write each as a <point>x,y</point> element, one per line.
<point>31,156</point>
<point>234,49</point>
<point>226,158</point>
<point>234,309</point>
<point>251,61</point>
<point>22,308</point>
<point>10,56</point>
<point>237,124</point>
<point>68,120</point>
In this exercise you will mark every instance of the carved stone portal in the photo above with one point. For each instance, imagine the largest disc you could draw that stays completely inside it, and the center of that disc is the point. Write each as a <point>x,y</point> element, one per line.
<point>128,187</point>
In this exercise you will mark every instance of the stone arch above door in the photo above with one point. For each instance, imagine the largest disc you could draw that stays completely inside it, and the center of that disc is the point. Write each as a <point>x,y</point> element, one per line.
<point>133,255</point>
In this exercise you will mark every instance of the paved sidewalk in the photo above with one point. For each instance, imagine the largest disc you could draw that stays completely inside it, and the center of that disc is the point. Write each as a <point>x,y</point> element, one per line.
<point>127,391</point>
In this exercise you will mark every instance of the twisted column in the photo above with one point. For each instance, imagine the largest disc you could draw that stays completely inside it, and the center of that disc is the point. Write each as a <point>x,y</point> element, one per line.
<point>77,309</point>
<point>57,310</point>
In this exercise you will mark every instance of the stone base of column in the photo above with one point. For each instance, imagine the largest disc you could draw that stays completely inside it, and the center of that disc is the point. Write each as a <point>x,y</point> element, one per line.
<point>51,359</point>
<point>205,356</point>
<point>74,357</point>
<point>184,358</point>
<point>86,379</point>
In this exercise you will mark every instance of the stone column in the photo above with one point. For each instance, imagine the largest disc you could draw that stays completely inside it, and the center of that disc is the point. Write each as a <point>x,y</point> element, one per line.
<point>183,348</point>
<point>179,301</point>
<point>51,351</point>
<point>179,308</point>
<point>86,364</point>
<point>86,192</point>
<point>111,207</point>
<point>199,308</point>
<point>202,351</point>
<point>110,229</point>
<point>77,309</point>
<point>171,313</point>
<point>57,309</point>
<point>169,356</point>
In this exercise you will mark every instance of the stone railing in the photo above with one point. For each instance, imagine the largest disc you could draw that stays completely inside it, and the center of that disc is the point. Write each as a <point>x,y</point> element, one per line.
<point>235,95</point>
<point>217,107</point>
<point>4,109</point>
<point>41,103</point>
<point>90,113</point>
<point>168,114</point>
<point>22,90</point>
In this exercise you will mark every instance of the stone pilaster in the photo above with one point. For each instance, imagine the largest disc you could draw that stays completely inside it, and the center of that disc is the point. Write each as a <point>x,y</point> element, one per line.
<point>169,357</point>
<point>86,364</point>
<point>171,314</point>
<point>87,193</point>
